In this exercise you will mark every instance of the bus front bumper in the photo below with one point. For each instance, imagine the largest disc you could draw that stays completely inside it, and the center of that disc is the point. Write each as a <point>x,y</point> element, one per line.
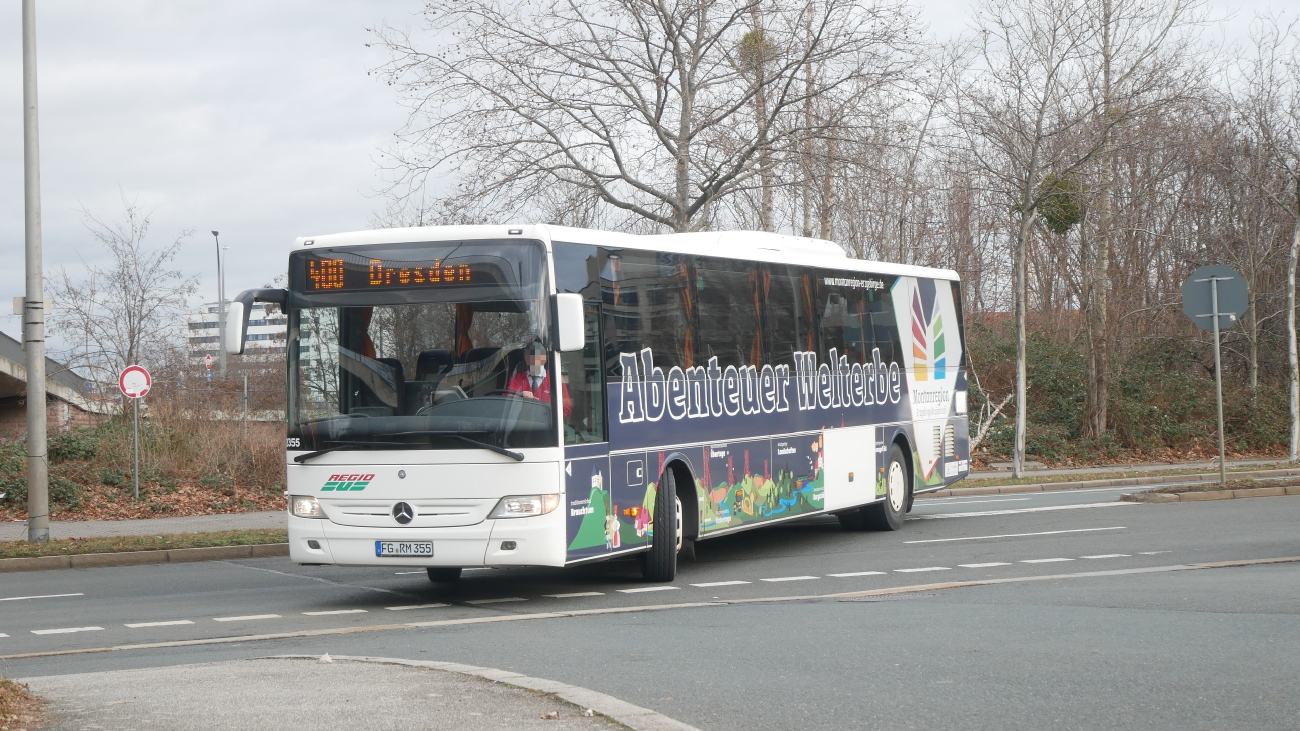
<point>537,542</point>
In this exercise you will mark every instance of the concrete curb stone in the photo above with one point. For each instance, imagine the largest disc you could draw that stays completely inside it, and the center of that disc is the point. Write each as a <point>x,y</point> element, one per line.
<point>1114,482</point>
<point>628,714</point>
<point>138,558</point>
<point>1190,497</point>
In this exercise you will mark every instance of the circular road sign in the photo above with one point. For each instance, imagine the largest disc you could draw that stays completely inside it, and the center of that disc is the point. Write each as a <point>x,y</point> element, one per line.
<point>207,361</point>
<point>1233,298</point>
<point>134,381</point>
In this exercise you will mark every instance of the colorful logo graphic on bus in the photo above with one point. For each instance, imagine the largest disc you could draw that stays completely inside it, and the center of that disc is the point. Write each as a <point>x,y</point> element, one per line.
<point>927,340</point>
<point>347,483</point>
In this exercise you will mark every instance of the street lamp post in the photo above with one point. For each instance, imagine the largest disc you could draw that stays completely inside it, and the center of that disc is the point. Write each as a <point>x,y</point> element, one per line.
<point>221,308</point>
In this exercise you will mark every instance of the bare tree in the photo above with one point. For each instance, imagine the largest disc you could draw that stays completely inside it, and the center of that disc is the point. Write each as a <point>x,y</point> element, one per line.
<point>128,310</point>
<point>1028,118</point>
<point>657,108</point>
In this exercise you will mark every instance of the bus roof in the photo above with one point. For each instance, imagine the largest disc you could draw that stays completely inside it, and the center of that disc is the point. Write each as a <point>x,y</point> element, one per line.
<point>746,245</point>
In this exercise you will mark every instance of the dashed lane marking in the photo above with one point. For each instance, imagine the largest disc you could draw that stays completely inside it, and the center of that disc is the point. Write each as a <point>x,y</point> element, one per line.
<point>1108,555</point>
<point>1046,560</point>
<point>246,617</point>
<point>38,596</point>
<point>574,594</point>
<point>791,578</point>
<point>722,583</point>
<point>332,631</point>
<point>334,611</point>
<point>171,623</point>
<point>1152,553</point>
<point>416,606</point>
<point>925,568</point>
<point>404,573</point>
<point>1017,535</point>
<point>981,513</point>
<point>858,573</point>
<point>974,502</point>
<point>2,634</point>
<point>640,589</point>
<point>65,630</point>
<point>497,601</point>
<point>990,564</point>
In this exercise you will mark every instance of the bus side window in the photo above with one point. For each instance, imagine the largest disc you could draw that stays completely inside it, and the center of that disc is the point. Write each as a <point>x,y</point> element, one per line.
<point>581,371</point>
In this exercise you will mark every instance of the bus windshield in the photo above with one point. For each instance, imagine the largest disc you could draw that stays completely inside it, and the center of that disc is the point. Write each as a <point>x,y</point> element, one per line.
<point>411,346</point>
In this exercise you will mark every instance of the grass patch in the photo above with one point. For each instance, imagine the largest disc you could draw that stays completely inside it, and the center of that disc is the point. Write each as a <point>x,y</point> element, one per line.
<point>1108,475</point>
<point>117,544</point>
<point>18,707</point>
<point>1231,485</point>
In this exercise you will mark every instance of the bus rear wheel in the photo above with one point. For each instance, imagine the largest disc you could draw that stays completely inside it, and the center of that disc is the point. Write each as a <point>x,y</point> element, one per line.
<point>442,575</point>
<point>888,513</point>
<point>660,562</point>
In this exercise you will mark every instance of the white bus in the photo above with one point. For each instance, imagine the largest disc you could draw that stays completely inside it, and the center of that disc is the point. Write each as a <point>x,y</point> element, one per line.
<point>752,378</point>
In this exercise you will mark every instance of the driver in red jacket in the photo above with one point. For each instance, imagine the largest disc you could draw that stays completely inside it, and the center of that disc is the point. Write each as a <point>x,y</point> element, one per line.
<point>535,381</point>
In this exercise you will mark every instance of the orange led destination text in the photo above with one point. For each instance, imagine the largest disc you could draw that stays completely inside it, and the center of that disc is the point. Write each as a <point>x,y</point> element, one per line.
<point>326,274</point>
<point>381,275</point>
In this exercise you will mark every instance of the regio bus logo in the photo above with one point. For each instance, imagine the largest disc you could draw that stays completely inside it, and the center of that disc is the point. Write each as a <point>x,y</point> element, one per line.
<point>347,483</point>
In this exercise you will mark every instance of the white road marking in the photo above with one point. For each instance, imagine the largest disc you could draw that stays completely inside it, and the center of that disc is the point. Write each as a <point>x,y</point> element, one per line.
<point>335,611</point>
<point>1108,555</point>
<point>2,634</point>
<point>138,625</point>
<point>38,596</point>
<point>1152,553</point>
<point>990,564</point>
<point>995,500</point>
<point>497,601</point>
<point>404,573</point>
<point>64,630</point>
<point>416,606</point>
<point>858,573</point>
<point>1017,535</point>
<point>982,513</point>
<point>573,594</point>
<point>791,578</point>
<point>722,583</point>
<point>1046,560</point>
<point>927,568</point>
<point>246,617</point>
<point>640,589</point>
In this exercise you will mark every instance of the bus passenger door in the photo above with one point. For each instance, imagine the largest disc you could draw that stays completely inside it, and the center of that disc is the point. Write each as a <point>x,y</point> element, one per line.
<point>588,506</point>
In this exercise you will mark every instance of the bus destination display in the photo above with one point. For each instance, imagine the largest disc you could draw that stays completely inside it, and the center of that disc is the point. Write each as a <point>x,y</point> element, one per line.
<point>324,275</point>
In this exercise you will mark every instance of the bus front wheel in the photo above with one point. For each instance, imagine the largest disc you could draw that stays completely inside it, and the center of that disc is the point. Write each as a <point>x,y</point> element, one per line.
<point>888,513</point>
<point>660,562</point>
<point>441,575</point>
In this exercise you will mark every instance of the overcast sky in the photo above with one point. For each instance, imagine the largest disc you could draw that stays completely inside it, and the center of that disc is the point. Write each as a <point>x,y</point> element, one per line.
<point>256,119</point>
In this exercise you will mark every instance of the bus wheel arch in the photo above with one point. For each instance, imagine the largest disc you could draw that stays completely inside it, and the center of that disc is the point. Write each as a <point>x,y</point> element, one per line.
<point>684,478</point>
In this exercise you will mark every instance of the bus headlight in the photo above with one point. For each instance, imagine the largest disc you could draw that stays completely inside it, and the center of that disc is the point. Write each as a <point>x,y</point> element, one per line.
<point>305,507</point>
<point>525,506</point>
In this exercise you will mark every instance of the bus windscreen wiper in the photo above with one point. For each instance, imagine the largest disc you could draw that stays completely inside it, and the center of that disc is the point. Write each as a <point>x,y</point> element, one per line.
<point>344,445</point>
<point>516,456</point>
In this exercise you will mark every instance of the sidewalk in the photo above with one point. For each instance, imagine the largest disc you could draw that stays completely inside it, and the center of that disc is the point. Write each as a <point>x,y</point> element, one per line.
<point>377,693</point>
<point>1207,466</point>
<point>17,530</point>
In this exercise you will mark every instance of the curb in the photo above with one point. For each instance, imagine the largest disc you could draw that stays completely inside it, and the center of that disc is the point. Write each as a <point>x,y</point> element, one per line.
<point>1116,482</point>
<point>1188,497</point>
<point>633,716</point>
<point>137,558</point>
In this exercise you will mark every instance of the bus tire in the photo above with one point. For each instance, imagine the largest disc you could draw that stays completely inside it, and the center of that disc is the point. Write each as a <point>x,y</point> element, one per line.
<point>660,562</point>
<point>443,575</point>
<point>888,513</point>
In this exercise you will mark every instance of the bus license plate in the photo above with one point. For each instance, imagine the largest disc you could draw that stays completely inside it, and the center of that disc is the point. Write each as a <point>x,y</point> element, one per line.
<point>403,548</point>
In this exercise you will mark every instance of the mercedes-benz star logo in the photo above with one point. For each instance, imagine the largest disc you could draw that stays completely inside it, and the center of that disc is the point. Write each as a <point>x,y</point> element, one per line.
<point>403,513</point>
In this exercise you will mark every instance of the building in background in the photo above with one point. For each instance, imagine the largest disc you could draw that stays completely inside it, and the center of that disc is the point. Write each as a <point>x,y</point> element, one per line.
<point>267,329</point>
<point>71,400</point>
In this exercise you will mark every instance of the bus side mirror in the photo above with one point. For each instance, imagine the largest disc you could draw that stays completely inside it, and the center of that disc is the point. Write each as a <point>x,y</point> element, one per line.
<point>236,326</point>
<point>572,331</point>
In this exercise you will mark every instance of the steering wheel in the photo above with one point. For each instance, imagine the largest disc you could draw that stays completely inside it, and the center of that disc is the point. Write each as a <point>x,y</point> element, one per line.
<point>506,391</point>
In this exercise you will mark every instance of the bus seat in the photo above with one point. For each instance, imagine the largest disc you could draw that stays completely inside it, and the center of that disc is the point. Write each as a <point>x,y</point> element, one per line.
<point>433,362</point>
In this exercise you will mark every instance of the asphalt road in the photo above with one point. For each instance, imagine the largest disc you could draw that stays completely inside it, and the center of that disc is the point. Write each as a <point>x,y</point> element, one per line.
<point>1098,619</point>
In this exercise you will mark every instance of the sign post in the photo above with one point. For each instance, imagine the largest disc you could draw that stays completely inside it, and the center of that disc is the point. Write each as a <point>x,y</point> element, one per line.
<point>1215,297</point>
<point>135,382</point>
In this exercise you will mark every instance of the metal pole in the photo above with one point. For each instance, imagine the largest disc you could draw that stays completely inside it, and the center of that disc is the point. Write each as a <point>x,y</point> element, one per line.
<point>38,476</point>
<point>136,471</point>
<point>1218,374</point>
<point>245,404</point>
<point>221,308</point>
